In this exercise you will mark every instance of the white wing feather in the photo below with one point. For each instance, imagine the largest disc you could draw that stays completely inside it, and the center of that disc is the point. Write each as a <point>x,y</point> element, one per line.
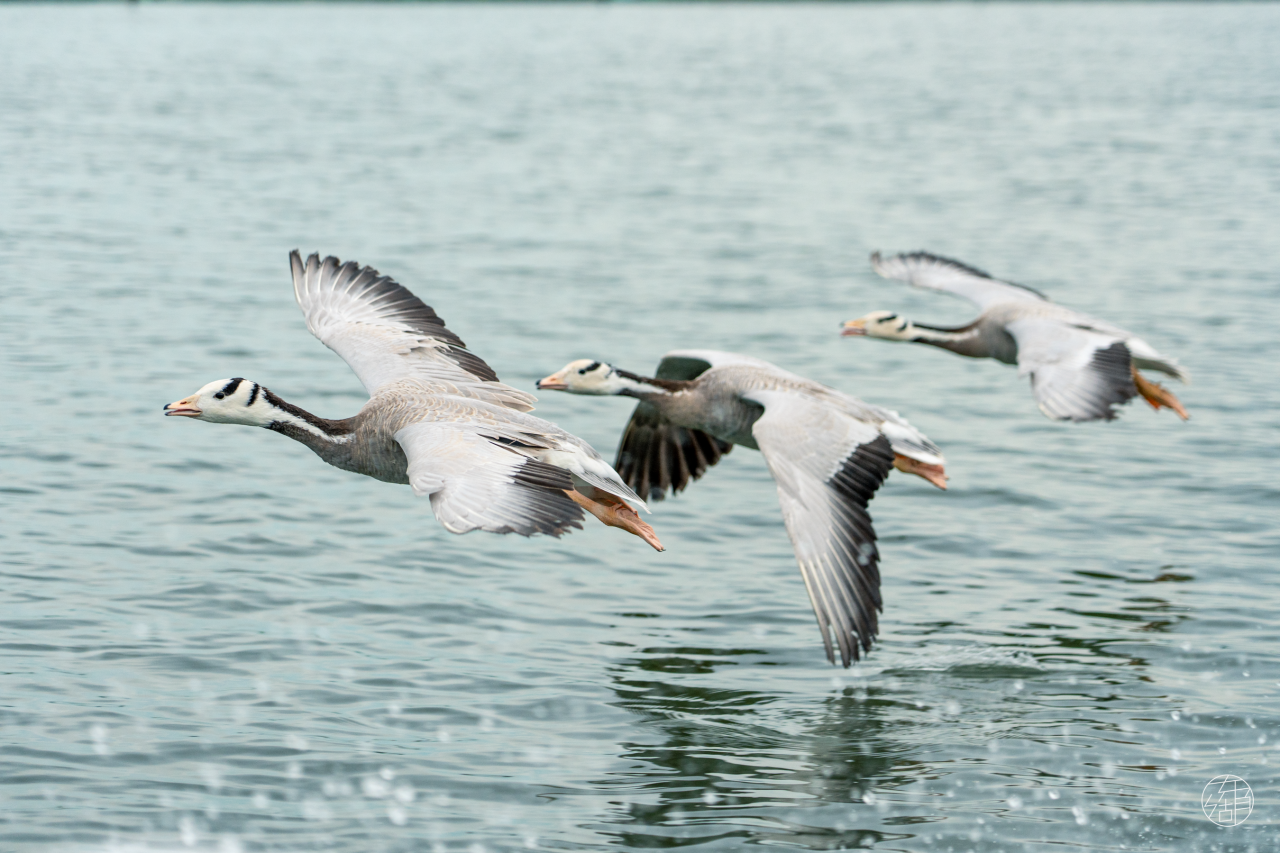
<point>827,465</point>
<point>475,484</point>
<point>1077,373</point>
<point>937,273</point>
<point>385,333</point>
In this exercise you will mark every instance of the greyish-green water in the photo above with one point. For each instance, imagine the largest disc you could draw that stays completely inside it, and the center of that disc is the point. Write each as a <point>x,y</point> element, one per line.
<point>212,641</point>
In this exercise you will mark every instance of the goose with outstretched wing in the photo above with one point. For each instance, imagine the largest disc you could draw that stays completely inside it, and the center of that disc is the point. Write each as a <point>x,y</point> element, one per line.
<point>1081,368</point>
<point>437,418</point>
<point>828,452</point>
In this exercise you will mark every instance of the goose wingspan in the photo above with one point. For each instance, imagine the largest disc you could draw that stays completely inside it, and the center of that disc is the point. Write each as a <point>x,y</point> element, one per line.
<point>938,273</point>
<point>828,465</point>
<point>385,333</point>
<point>481,483</point>
<point>1077,373</point>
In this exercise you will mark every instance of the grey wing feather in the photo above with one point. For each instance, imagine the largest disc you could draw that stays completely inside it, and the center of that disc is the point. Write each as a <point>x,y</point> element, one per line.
<point>828,466</point>
<point>385,333</point>
<point>1077,373</point>
<point>938,273</point>
<point>475,483</point>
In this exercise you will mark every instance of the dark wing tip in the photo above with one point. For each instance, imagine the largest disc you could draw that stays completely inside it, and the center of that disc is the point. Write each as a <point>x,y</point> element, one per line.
<point>846,590</point>
<point>929,257</point>
<point>543,502</point>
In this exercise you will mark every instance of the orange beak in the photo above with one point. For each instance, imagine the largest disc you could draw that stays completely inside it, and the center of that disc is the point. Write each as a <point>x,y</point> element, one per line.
<point>853,327</point>
<point>554,382</point>
<point>184,408</point>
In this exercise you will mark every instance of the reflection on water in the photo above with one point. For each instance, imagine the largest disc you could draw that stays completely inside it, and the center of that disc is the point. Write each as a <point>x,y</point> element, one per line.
<point>210,641</point>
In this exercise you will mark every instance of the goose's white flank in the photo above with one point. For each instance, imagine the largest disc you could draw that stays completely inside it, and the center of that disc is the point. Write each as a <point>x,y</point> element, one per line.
<point>437,418</point>
<point>1080,367</point>
<point>828,453</point>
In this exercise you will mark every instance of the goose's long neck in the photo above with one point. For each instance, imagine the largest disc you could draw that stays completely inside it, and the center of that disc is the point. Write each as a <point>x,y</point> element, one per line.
<point>331,440</point>
<point>965,340</point>
<point>646,388</point>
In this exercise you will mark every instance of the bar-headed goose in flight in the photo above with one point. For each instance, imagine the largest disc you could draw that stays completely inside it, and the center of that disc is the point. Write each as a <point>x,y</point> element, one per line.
<point>437,419</point>
<point>828,453</point>
<point>1080,367</point>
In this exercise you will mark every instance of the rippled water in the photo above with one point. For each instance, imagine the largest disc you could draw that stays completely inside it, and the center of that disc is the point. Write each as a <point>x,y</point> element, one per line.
<point>213,641</point>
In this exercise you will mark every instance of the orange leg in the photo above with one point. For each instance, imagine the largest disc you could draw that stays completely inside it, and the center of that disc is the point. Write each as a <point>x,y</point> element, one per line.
<point>933,473</point>
<point>1157,395</point>
<point>615,512</point>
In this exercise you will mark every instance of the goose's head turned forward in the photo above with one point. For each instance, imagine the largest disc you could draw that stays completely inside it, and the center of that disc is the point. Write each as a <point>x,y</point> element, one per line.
<point>887,325</point>
<point>226,401</point>
<point>600,379</point>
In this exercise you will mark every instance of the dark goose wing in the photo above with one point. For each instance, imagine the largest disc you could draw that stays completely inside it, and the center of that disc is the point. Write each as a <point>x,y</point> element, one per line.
<point>656,457</point>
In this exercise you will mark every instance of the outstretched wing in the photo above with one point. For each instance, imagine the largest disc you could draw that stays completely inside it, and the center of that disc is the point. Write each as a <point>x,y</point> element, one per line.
<point>479,483</point>
<point>937,273</point>
<point>656,457</point>
<point>1077,373</point>
<point>385,333</point>
<point>828,465</point>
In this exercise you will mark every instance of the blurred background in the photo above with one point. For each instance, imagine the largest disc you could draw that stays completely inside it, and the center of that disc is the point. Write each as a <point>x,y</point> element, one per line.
<point>210,640</point>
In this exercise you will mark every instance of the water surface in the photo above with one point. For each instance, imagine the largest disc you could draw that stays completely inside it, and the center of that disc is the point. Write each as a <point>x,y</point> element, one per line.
<point>212,641</point>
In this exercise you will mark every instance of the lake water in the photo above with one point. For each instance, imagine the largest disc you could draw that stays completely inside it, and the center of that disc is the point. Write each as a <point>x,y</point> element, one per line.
<point>212,641</point>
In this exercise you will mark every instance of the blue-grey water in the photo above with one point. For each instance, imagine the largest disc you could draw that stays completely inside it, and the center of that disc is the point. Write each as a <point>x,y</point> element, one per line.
<point>210,640</point>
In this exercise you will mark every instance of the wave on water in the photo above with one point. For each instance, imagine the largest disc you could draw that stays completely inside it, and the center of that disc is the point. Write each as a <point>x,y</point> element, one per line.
<point>985,660</point>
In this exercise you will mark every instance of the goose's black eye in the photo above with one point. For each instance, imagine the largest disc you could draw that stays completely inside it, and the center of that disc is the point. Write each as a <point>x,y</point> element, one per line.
<point>590,367</point>
<point>890,318</point>
<point>219,396</point>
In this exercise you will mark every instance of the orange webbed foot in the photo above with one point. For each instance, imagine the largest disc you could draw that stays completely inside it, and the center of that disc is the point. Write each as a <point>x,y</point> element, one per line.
<point>616,512</point>
<point>935,474</point>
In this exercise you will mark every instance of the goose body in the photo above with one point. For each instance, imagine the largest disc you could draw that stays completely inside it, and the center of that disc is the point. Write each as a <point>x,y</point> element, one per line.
<point>828,452</point>
<point>1080,367</point>
<point>437,418</point>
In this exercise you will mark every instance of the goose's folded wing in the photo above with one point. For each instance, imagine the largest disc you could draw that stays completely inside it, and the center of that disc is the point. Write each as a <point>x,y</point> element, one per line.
<point>1077,373</point>
<point>827,466</point>
<point>937,273</point>
<point>656,457</point>
<point>480,483</point>
<point>385,333</point>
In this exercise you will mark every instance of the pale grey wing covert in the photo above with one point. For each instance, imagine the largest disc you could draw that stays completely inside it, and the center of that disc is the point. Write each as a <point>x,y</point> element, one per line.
<point>827,466</point>
<point>934,272</point>
<point>1077,374</point>
<point>480,483</point>
<point>385,333</point>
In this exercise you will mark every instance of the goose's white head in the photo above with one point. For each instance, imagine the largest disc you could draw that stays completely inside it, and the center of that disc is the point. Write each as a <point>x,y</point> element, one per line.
<point>881,324</point>
<point>586,376</point>
<point>227,401</point>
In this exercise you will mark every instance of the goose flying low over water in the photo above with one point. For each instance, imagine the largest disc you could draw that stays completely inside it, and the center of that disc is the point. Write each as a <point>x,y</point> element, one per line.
<point>1080,367</point>
<point>437,418</point>
<point>828,453</point>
